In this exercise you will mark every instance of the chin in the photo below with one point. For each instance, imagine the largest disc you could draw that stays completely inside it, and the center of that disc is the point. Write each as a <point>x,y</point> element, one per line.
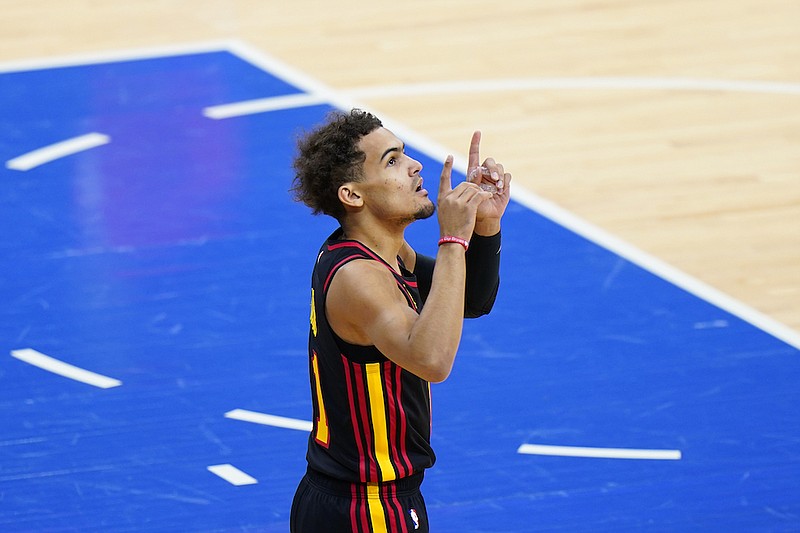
<point>424,212</point>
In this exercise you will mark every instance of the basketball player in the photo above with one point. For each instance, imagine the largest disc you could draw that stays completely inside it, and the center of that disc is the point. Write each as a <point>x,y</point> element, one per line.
<point>385,321</point>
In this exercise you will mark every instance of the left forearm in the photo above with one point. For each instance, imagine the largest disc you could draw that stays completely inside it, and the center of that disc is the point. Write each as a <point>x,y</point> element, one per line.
<point>483,274</point>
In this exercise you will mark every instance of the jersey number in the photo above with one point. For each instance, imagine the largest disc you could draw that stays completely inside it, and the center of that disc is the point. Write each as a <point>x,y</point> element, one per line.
<point>322,436</point>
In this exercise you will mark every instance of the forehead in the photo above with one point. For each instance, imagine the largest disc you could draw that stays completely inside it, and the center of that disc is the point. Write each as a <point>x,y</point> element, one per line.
<point>375,143</point>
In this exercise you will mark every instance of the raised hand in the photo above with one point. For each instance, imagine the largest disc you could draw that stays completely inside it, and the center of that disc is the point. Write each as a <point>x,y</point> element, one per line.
<point>458,207</point>
<point>492,177</point>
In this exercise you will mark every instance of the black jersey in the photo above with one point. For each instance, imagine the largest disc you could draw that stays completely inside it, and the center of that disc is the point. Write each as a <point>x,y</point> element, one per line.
<point>372,418</point>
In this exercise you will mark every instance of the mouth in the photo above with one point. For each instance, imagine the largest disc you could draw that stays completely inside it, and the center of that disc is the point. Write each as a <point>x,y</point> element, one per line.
<point>419,186</point>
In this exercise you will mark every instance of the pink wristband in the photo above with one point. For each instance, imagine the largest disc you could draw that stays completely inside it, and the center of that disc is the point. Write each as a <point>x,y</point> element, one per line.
<point>454,240</point>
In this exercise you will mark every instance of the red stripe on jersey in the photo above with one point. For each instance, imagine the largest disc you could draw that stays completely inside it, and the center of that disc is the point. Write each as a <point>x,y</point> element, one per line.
<point>355,244</point>
<point>393,401</point>
<point>364,515</point>
<point>362,398</point>
<point>391,513</point>
<point>354,507</point>
<point>401,513</point>
<point>403,423</point>
<point>362,474</point>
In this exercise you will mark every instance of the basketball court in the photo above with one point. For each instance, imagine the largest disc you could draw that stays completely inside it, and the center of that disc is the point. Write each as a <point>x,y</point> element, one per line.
<point>154,371</point>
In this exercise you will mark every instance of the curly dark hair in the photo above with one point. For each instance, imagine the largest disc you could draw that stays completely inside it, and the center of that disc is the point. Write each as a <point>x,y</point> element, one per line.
<point>329,157</point>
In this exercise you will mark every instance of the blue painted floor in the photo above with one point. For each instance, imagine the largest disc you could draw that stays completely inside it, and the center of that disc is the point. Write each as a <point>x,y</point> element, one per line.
<point>173,259</point>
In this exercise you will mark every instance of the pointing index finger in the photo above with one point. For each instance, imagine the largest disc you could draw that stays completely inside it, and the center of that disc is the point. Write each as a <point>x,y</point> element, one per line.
<point>474,150</point>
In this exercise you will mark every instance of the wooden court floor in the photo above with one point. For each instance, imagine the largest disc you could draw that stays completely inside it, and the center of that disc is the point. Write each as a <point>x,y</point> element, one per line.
<point>673,125</point>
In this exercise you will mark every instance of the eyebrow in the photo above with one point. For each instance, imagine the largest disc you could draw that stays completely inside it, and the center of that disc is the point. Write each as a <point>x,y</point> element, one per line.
<point>392,149</point>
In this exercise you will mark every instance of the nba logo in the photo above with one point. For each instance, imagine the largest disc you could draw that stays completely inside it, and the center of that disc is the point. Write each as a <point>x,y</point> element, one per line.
<point>414,517</point>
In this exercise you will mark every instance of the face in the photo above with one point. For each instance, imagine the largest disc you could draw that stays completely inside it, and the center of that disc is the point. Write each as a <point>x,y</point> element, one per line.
<point>392,185</point>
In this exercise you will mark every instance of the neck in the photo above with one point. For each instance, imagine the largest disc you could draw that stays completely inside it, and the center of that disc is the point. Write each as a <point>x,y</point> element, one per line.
<point>384,241</point>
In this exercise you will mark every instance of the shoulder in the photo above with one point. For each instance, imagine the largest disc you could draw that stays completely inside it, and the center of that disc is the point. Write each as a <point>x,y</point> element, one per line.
<point>364,289</point>
<point>362,297</point>
<point>363,276</point>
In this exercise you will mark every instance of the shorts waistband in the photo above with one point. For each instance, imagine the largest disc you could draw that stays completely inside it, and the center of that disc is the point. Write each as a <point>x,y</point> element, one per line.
<point>345,488</point>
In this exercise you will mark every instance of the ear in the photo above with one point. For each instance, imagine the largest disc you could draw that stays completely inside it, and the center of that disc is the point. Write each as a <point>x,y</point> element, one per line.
<point>350,196</point>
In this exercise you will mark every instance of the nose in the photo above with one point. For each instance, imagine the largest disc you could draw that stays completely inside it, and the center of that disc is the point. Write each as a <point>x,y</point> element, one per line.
<point>415,167</point>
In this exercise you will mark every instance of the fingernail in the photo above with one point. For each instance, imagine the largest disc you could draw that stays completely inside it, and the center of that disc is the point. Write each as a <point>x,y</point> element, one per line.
<point>500,184</point>
<point>495,175</point>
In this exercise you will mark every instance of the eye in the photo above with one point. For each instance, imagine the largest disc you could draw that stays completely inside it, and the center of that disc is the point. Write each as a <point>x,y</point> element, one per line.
<point>392,160</point>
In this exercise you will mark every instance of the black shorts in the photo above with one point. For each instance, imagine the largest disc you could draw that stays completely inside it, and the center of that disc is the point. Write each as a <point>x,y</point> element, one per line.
<point>326,505</point>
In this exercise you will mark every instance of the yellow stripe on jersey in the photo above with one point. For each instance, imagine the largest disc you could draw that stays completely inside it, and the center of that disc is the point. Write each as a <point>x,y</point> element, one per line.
<point>313,318</point>
<point>379,425</point>
<point>322,421</point>
<point>377,517</point>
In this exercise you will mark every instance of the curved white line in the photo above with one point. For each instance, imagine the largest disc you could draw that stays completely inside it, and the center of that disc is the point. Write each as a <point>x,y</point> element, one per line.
<point>45,362</point>
<point>269,420</point>
<point>262,105</point>
<point>602,453</point>
<point>232,475</point>
<point>58,150</point>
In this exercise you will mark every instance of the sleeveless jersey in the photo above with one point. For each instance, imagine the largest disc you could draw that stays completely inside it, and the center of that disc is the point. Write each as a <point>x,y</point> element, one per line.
<point>372,418</point>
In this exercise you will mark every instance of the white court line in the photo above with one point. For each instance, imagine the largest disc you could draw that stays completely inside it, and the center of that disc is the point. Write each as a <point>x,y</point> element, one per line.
<point>601,453</point>
<point>45,362</point>
<point>128,54</point>
<point>269,420</point>
<point>262,105</point>
<point>232,475</point>
<point>657,266</point>
<point>58,150</point>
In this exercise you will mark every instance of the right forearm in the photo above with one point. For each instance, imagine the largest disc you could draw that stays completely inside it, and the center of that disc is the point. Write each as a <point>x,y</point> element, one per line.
<point>434,337</point>
<point>437,332</point>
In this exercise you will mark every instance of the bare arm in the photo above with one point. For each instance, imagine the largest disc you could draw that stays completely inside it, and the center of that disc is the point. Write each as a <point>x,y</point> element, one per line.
<point>365,307</point>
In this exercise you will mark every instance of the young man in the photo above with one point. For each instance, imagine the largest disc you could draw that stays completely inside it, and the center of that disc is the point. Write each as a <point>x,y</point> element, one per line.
<point>385,321</point>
